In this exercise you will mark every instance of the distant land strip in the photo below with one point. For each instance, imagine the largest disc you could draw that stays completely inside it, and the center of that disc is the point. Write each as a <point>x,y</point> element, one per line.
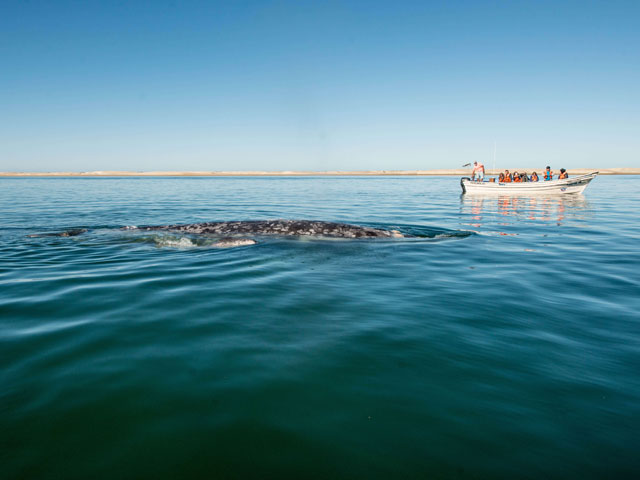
<point>442,172</point>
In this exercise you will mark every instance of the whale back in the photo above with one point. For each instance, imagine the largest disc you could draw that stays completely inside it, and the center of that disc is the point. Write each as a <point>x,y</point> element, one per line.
<point>281,227</point>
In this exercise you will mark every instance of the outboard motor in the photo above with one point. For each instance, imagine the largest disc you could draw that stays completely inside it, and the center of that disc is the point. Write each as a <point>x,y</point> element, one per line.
<point>464,190</point>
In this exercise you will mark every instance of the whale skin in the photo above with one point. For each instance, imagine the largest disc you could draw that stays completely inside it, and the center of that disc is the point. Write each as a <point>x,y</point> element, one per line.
<point>280,227</point>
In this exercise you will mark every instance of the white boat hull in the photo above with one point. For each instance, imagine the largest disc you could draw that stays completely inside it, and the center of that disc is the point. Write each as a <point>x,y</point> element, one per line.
<point>552,187</point>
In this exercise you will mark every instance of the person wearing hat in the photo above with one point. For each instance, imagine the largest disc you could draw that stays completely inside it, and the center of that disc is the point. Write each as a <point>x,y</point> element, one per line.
<point>479,168</point>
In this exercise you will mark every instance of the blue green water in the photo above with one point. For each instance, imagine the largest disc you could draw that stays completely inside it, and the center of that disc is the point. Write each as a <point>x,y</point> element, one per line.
<point>502,343</point>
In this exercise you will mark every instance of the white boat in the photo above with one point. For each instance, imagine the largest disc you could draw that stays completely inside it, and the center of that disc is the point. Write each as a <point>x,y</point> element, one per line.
<point>550,187</point>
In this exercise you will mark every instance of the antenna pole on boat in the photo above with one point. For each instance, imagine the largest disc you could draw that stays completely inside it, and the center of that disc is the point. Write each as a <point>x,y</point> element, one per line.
<point>494,157</point>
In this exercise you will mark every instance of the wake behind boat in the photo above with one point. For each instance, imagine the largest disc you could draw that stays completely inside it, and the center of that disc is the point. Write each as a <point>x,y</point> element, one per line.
<point>550,187</point>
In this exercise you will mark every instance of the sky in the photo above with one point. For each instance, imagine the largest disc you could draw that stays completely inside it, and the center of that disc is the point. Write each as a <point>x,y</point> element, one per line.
<point>318,85</point>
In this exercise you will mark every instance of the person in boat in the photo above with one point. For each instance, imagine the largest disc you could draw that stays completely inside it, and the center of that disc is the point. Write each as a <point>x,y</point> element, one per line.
<point>534,177</point>
<point>563,174</point>
<point>507,177</point>
<point>478,172</point>
<point>548,174</point>
<point>501,178</point>
<point>516,177</point>
<point>524,177</point>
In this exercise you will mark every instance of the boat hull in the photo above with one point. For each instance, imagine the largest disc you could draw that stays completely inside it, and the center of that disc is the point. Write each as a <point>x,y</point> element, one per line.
<point>567,186</point>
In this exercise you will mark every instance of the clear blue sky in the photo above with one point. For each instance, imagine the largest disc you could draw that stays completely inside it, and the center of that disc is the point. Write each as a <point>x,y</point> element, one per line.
<point>301,85</point>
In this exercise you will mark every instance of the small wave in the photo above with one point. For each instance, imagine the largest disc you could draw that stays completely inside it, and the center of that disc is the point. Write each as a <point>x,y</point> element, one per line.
<point>182,242</point>
<point>420,231</point>
<point>167,241</point>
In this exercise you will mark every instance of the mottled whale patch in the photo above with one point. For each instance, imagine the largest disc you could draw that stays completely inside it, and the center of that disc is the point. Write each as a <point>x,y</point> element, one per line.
<point>187,242</point>
<point>280,227</point>
<point>233,242</point>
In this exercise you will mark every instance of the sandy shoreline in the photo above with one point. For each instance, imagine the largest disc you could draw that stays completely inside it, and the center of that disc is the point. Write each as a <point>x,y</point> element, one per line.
<point>442,172</point>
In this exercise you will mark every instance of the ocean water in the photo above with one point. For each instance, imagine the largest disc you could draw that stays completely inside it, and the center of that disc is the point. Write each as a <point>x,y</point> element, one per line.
<point>503,341</point>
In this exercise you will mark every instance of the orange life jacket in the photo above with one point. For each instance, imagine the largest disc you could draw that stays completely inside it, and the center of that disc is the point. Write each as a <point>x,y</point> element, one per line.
<point>563,175</point>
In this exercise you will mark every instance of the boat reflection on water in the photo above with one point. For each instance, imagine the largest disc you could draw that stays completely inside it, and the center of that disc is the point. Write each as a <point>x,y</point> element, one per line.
<point>505,210</point>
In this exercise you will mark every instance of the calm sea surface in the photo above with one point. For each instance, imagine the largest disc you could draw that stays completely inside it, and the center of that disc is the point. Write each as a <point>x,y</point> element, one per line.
<point>503,342</point>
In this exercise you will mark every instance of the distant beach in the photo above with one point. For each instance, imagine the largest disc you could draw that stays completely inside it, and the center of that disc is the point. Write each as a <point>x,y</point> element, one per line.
<point>441,172</point>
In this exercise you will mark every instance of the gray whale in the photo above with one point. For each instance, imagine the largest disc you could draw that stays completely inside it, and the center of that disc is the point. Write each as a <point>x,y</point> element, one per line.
<point>280,227</point>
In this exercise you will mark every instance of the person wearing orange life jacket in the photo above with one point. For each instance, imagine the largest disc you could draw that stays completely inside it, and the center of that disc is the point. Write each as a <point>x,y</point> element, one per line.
<point>507,177</point>
<point>534,177</point>
<point>563,174</point>
<point>548,174</point>
<point>516,177</point>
